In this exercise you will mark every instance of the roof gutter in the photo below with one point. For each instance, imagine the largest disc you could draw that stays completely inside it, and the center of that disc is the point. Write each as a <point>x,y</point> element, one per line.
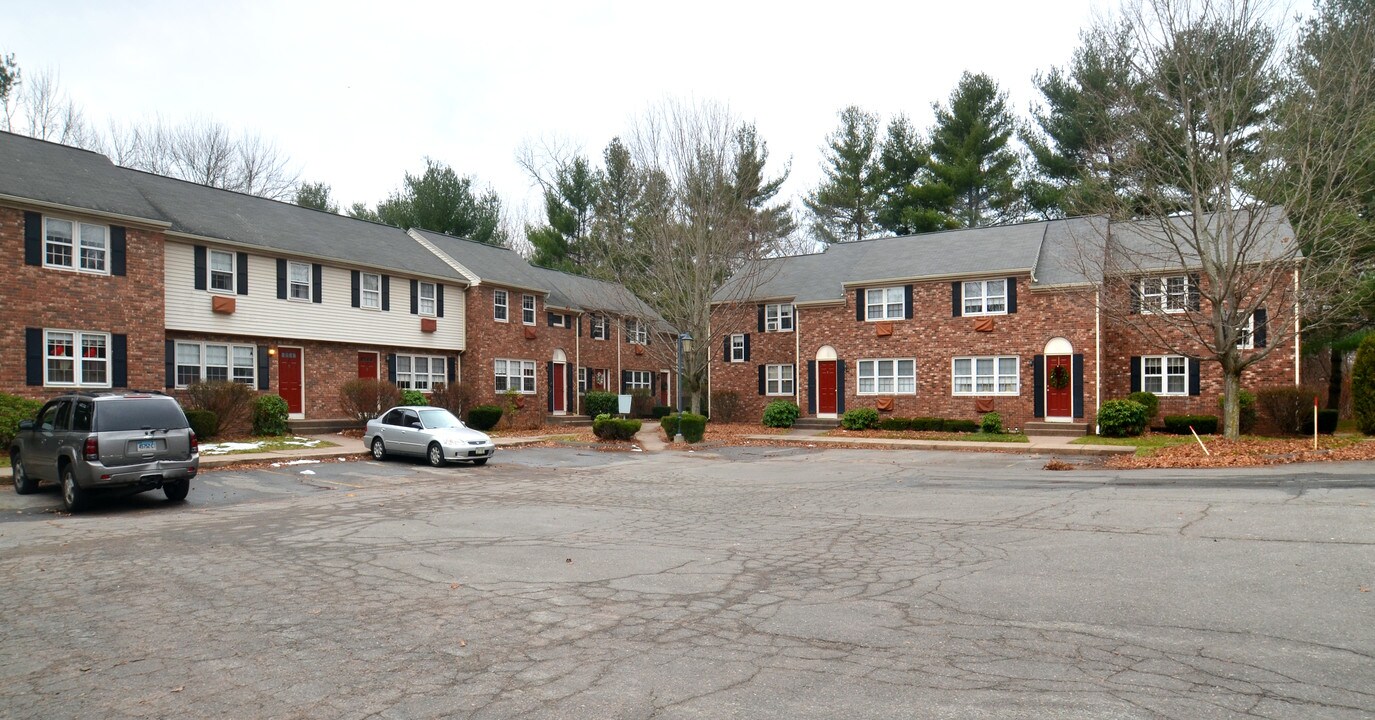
<point>85,211</point>
<point>933,278</point>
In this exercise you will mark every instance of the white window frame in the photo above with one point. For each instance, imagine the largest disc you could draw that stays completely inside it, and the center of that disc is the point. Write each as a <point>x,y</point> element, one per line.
<point>527,309</point>
<point>1163,374</point>
<point>76,247</point>
<point>584,379</point>
<point>426,306</point>
<point>598,328</point>
<point>77,345</point>
<point>869,369</point>
<point>212,273</point>
<point>560,320</point>
<point>737,348</point>
<point>780,380</point>
<point>1157,297</point>
<point>522,372</point>
<point>369,299</point>
<point>501,306</point>
<point>245,373</point>
<point>983,298</point>
<point>1246,338</point>
<point>778,317</point>
<point>884,303</point>
<point>639,380</point>
<point>1006,384</point>
<point>292,283</point>
<point>636,332</point>
<point>412,379</point>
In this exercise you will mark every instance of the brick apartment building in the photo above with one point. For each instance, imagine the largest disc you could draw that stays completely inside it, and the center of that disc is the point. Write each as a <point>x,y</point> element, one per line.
<point>960,323</point>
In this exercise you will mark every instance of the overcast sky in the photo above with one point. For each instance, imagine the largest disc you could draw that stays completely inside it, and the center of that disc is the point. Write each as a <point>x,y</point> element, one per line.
<point>358,93</point>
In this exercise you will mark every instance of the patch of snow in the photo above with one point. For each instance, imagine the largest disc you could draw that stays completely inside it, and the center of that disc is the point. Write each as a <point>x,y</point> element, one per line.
<point>303,442</point>
<point>307,472</point>
<point>225,448</point>
<point>296,462</point>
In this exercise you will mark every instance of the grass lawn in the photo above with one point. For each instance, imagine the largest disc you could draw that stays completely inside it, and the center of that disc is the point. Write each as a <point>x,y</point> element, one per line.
<point>930,435</point>
<point>1145,445</point>
<point>262,444</point>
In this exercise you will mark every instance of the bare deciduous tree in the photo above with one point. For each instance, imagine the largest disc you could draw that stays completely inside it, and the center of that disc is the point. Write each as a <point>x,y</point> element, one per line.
<point>206,152</point>
<point>36,106</point>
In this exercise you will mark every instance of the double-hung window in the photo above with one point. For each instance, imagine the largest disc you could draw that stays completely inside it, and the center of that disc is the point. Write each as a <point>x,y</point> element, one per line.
<point>985,376</point>
<point>638,380</point>
<point>75,245</point>
<point>215,362</point>
<point>425,303</point>
<point>1165,294</point>
<point>515,375</point>
<point>636,332</point>
<point>778,318</point>
<point>76,358</point>
<point>737,348</point>
<point>598,327</point>
<point>421,372</point>
<point>1165,374</point>
<point>527,309</point>
<point>887,377</point>
<point>558,320</point>
<point>221,271</point>
<point>778,380</point>
<point>370,291</point>
<point>1246,334</point>
<point>883,303</point>
<point>298,281</point>
<point>500,305</point>
<point>985,297</point>
<point>582,380</point>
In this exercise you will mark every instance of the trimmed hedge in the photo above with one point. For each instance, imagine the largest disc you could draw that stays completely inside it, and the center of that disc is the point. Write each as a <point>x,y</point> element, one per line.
<point>859,419</point>
<point>609,428</point>
<point>669,424</point>
<point>414,397</point>
<point>269,415</point>
<point>1327,422</point>
<point>1288,407</point>
<point>1149,401</point>
<point>1122,418</point>
<point>599,402</point>
<point>1180,424</point>
<point>204,423</point>
<point>895,423</point>
<point>660,411</point>
<point>484,417</point>
<point>926,424</point>
<point>960,426</point>
<point>14,409</point>
<point>991,423</point>
<point>1363,385</point>
<point>693,427</point>
<point>781,414</point>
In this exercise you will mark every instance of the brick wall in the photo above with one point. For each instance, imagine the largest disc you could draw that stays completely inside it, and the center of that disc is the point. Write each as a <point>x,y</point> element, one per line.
<point>38,297</point>
<point>489,339</point>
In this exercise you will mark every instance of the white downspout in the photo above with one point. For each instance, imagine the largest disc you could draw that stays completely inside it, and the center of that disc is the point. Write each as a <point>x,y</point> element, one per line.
<point>1097,357</point>
<point>577,364</point>
<point>797,360</point>
<point>1298,371</point>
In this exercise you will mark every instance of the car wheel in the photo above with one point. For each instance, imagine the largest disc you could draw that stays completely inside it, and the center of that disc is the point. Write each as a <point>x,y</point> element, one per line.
<point>379,451</point>
<point>176,491</point>
<point>435,455</point>
<point>482,461</point>
<point>73,497</point>
<point>23,483</point>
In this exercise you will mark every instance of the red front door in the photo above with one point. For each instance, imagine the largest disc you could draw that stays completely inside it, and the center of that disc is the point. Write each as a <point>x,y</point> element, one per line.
<point>826,387</point>
<point>367,365</point>
<point>289,378</point>
<point>1058,400</point>
<point>556,387</point>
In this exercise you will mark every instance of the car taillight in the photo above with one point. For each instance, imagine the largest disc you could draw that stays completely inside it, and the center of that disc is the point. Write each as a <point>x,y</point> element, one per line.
<point>195,443</point>
<point>92,449</point>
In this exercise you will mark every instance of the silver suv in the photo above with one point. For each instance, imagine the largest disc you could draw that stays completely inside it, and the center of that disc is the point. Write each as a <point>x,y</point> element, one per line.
<point>130,442</point>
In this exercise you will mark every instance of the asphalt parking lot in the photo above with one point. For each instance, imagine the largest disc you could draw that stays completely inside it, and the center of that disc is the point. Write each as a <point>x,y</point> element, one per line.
<point>749,582</point>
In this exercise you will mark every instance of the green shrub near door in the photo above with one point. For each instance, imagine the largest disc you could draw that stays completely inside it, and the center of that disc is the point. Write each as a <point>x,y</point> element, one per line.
<point>269,415</point>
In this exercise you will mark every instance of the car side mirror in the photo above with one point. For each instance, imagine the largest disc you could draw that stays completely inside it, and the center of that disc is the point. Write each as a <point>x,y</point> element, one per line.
<point>417,425</point>
<point>25,424</point>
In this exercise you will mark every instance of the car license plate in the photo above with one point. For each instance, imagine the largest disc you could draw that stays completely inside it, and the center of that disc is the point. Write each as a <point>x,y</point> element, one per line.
<point>147,445</point>
<point>479,452</point>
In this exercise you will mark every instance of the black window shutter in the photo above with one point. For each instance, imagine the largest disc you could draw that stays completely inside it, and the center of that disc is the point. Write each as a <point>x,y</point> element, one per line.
<point>199,277</point>
<point>241,284</point>
<point>119,360</point>
<point>840,386</point>
<point>626,330</point>
<point>355,288</point>
<point>1077,371</point>
<point>264,368</point>
<point>1259,331</point>
<point>956,299</point>
<point>761,318</point>
<point>386,293</point>
<point>119,251</point>
<point>859,304</point>
<point>907,302</point>
<point>569,388</point>
<point>33,244</point>
<point>438,300</point>
<point>1194,384</point>
<point>317,272</point>
<point>549,382</point>
<point>1038,384</point>
<point>1012,295</point>
<point>625,381</point>
<point>725,349</point>
<point>578,319</point>
<point>391,368</point>
<point>281,279</point>
<point>747,347</point>
<point>1193,291</point>
<point>453,370</point>
<point>415,297</point>
<point>33,353</point>
<point>169,361</point>
<point>811,387</point>
<point>1136,296</point>
<point>762,381</point>
<point>549,318</point>
<point>1136,373</point>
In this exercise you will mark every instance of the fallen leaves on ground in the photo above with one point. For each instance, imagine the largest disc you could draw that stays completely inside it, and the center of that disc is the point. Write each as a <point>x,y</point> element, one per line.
<point>922,435</point>
<point>728,434</point>
<point>1056,464</point>
<point>1251,452</point>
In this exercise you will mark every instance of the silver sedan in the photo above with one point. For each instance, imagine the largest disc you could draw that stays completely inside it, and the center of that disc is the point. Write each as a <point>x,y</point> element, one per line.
<point>433,433</point>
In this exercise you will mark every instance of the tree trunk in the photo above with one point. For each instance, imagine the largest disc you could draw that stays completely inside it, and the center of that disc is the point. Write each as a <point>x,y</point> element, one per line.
<point>696,402</point>
<point>1231,404</point>
<point>1334,379</point>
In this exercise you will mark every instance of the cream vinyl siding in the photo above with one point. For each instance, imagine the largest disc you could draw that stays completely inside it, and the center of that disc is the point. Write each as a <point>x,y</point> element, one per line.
<point>334,319</point>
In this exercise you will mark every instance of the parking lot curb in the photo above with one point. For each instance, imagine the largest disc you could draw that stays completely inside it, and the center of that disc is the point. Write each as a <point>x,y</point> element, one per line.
<point>1030,448</point>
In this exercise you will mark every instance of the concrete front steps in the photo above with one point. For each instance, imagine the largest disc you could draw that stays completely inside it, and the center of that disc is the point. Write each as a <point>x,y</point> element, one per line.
<point>569,420</point>
<point>1056,429</point>
<point>322,426</point>
<point>811,423</point>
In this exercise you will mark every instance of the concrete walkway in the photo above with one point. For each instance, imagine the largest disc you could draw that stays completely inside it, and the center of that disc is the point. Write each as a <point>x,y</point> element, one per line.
<point>1038,445</point>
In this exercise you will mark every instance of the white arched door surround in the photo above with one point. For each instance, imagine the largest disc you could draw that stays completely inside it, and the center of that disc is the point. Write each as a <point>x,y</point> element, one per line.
<point>1059,370</point>
<point>826,383</point>
<point>558,383</point>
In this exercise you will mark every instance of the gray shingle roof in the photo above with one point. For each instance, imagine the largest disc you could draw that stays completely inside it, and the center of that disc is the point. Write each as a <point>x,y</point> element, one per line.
<point>290,229</point>
<point>63,175</point>
<point>490,263</point>
<point>1153,245</point>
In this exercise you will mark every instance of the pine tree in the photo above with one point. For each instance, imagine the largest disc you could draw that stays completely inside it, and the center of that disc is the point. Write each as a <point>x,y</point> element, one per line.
<point>844,206</point>
<point>316,195</point>
<point>971,153</point>
<point>911,200</point>
<point>570,201</point>
<point>441,201</point>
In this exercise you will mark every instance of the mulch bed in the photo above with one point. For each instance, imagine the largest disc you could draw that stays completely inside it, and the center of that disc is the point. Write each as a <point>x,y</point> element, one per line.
<point>912,435</point>
<point>1251,452</point>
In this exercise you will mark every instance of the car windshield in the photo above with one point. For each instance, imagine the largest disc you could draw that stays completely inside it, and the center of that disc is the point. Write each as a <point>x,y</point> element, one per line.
<point>439,419</point>
<point>139,413</point>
